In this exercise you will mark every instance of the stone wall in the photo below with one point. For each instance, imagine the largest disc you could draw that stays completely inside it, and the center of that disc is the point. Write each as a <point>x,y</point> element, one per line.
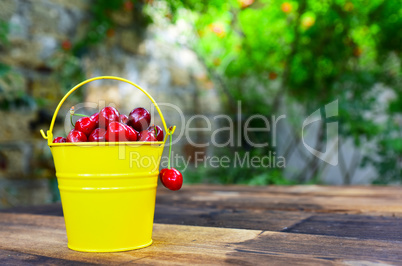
<point>169,72</point>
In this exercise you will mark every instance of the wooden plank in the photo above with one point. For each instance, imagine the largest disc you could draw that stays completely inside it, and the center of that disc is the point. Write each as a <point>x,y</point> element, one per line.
<point>228,218</point>
<point>334,224</point>
<point>280,209</point>
<point>312,190</point>
<point>353,200</point>
<point>367,200</point>
<point>348,250</point>
<point>53,209</point>
<point>199,216</point>
<point>44,236</point>
<point>20,258</point>
<point>357,226</point>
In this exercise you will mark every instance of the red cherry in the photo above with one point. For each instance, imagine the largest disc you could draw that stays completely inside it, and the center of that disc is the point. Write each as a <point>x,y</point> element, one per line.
<point>86,125</point>
<point>131,134</point>
<point>139,119</point>
<point>172,179</point>
<point>146,135</point>
<point>116,131</point>
<point>95,118</point>
<point>97,135</point>
<point>157,131</point>
<point>59,140</point>
<point>76,136</point>
<point>108,115</point>
<point>161,174</point>
<point>123,119</point>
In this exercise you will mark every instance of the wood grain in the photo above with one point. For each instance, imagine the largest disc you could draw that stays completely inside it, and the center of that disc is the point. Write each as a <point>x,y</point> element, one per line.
<point>288,209</point>
<point>381,201</point>
<point>357,226</point>
<point>20,258</point>
<point>42,239</point>
<point>228,218</point>
<point>333,224</point>
<point>384,201</point>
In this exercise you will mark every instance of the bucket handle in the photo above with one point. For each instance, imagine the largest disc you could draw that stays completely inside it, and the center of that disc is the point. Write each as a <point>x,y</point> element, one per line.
<point>49,135</point>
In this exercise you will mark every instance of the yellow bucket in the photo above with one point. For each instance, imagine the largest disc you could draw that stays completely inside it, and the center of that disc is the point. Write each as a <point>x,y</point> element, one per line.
<point>107,189</point>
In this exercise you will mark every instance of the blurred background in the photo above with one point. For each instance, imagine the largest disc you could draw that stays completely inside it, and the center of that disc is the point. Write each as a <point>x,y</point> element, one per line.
<point>275,57</point>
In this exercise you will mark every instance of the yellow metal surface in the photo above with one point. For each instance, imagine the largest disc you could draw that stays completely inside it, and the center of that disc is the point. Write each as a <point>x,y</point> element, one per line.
<point>108,195</point>
<point>107,189</point>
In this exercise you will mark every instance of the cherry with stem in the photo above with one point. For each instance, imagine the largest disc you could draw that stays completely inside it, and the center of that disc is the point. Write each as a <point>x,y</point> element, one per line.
<point>170,177</point>
<point>72,113</point>
<point>170,146</point>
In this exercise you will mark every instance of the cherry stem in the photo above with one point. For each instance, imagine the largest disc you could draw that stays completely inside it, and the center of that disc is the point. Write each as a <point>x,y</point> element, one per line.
<point>81,115</point>
<point>72,113</point>
<point>71,120</point>
<point>170,147</point>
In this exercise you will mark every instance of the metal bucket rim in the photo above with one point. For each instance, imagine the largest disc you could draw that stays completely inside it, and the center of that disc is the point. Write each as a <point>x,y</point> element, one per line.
<point>101,144</point>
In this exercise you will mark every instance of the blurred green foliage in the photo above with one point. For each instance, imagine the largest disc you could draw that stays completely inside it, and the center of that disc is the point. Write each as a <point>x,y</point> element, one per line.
<point>3,32</point>
<point>102,25</point>
<point>271,53</point>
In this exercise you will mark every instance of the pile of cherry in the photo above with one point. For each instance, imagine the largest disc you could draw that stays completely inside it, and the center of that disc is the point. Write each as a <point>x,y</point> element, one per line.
<point>111,126</point>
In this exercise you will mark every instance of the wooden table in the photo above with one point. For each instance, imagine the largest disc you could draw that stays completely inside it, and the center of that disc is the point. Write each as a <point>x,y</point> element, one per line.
<point>233,225</point>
